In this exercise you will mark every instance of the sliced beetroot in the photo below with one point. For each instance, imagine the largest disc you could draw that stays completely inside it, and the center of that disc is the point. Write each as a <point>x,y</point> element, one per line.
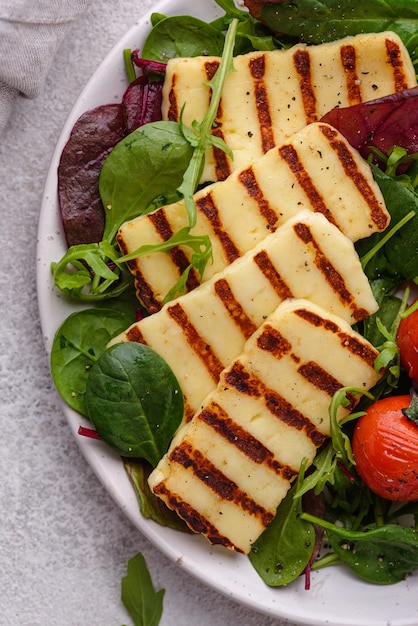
<point>142,103</point>
<point>148,65</point>
<point>382,123</point>
<point>93,136</point>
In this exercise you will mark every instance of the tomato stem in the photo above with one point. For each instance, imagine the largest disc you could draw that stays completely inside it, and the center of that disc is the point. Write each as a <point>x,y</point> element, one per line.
<point>411,412</point>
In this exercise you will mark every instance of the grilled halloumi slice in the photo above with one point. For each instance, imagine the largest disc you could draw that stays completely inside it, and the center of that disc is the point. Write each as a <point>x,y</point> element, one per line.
<point>228,469</point>
<point>316,169</point>
<point>201,332</point>
<point>274,94</point>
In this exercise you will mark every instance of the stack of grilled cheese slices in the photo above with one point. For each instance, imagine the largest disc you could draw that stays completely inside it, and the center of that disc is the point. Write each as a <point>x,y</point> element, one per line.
<point>261,345</point>
<point>229,468</point>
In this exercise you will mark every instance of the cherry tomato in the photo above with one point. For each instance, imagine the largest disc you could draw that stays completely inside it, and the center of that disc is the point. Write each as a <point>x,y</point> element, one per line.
<point>385,448</point>
<point>407,340</point>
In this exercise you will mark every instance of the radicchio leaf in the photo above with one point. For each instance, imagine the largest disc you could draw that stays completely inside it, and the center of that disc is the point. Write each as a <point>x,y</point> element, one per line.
<point>382,123</point>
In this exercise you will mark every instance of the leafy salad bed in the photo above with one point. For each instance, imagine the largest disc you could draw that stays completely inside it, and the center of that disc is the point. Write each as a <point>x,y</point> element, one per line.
<point>136,148</point>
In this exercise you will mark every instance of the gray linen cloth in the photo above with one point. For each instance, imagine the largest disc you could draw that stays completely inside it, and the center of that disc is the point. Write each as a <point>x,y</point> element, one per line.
<point>30,34</point>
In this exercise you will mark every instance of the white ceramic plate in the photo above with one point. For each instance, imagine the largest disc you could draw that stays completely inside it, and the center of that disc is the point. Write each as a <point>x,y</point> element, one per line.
<point>336,597</point>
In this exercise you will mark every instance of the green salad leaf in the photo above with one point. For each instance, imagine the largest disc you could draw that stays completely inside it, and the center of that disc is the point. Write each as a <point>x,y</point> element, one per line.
<point>78,343</point>
<point>149,162</point>
<point>316,21</point>
<point>382,555</point>
<point>398,259</point>
<point>182,36</point>
<point>134,401</point>
<point>144,604</point>
<point>150,506</point>
<point>284,549</point>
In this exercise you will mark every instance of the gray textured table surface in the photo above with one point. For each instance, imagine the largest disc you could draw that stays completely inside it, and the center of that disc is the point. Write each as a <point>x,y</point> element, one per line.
<point>64,544</point>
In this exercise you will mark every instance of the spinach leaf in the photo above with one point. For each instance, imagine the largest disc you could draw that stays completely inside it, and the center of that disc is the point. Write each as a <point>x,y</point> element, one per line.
<point>389,307</point>
<point>134,401</point>
<point>314,21</point>
<point>147,163</point>
<point>144,604</point>
<point>182,36</point>
<point>251,33</point>
<point>284,549</point>
<point>78,343</point>
<point>398,258</point>
<point>150,506</point>
<point>382,555</point>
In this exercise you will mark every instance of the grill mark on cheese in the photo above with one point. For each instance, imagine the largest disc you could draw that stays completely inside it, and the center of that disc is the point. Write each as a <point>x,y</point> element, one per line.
<point>222,167</point>
<point>271,340</point>
<point>324,381</point>
<point>211,67</point>
<point>162,226</point>
<point>216,418</point>
<point>263,261</point>
<point>319,378</point>
<point>173,110</point>
<point>134,334</point>
<point>146,292</point>
<point>208,207</point>
<point>291,157</point>
<point>394,58</point>
<point>377,214</point>
<point>234,308</point>
<point>366,352</point>
<point>249,181</point>
<point>200,347</point>
<point>242,380</point>
<point>226,489</point>
<point>348,60</point>
<point>302,63</point>
<point>257,68</point>
<point>331,275</point>
<point>193,518</point>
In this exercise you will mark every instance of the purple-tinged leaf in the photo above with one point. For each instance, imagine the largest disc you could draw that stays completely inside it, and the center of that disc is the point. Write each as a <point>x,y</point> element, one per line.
<point>382,123</point>
<point>142,103</point>
<point>93,136</point>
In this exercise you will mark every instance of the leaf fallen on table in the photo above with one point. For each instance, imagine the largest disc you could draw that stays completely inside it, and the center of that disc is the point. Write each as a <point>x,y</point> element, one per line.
<point>144,604</point>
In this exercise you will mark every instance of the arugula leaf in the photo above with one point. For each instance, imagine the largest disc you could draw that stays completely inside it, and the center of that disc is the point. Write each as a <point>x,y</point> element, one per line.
<point>144,604</point>
<point>201,137</point>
